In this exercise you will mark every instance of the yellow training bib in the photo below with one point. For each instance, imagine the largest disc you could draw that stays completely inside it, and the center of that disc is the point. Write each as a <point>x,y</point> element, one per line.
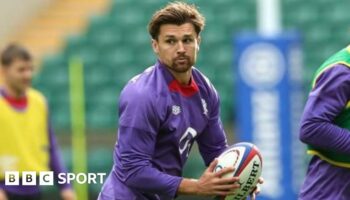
<point>24,138</point>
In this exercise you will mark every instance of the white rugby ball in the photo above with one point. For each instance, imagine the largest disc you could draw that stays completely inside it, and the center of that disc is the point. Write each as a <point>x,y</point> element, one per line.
<point>246,159</point>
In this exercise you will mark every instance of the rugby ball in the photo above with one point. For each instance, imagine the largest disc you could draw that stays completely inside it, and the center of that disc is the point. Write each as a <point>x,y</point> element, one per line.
<point>246,159</point>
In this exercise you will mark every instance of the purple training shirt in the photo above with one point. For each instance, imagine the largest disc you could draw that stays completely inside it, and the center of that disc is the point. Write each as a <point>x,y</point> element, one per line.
<point>329,97</point>
<point>158,122</point>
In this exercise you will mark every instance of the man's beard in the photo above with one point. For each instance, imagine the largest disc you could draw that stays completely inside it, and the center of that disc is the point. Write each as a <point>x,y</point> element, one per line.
<point>181,68</point>
<point>20,88</point>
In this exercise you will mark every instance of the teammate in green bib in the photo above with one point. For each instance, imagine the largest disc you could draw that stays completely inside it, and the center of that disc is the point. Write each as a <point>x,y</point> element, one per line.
<point>325,128</point>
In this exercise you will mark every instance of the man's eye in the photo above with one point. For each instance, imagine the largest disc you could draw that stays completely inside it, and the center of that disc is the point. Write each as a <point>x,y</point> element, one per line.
<point>170,41</point>
<point>188,40</point>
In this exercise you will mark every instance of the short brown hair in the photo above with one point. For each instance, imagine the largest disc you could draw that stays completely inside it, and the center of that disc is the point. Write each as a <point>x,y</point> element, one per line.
<point>12,52</point>
<point>176,13</point>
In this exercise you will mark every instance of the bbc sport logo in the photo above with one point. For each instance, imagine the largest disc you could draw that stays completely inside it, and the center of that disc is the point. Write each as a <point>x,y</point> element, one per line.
<point>47,178</point>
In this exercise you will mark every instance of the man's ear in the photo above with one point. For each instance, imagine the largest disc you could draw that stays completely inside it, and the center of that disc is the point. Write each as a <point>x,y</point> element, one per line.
<point>199,39</point>
<point>155,46</point>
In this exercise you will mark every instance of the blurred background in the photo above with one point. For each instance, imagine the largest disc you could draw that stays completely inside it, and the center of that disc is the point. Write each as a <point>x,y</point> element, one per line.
<point>111,39</point>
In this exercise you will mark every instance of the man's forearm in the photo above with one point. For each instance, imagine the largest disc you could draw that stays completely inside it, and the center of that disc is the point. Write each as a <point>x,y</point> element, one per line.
<point>2,194</point>
<point>326,135</point>
<point>188,187</point>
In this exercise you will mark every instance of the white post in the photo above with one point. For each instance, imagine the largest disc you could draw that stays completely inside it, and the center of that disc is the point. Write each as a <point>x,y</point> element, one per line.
<point>269,17</point>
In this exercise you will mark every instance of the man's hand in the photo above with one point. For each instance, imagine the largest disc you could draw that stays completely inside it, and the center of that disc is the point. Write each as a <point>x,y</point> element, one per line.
<point>257,189</point>
<point>3,195</point>
<point>210,183</point>
<point>67,194</point>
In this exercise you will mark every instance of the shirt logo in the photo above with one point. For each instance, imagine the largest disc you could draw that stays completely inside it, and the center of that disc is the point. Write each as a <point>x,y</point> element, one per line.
<point>176,110</point>
<point>186,140</point>
<point>205,108</point>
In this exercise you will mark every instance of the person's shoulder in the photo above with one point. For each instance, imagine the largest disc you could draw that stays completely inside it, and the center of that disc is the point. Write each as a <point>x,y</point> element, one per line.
<point>140,96</point>
<point>38,99</point>
<point>36,95</point>
<point>202,77</point>
<point>204,82</point>
<point>334,79</point>
<point>341,68</point>
<point>143,76</point>
<point>140,87</point>
<point>334,71</point>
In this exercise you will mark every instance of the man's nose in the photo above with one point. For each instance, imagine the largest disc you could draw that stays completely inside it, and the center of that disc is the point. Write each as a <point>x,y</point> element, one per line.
<point>181,48</point>
<point>28,74</point>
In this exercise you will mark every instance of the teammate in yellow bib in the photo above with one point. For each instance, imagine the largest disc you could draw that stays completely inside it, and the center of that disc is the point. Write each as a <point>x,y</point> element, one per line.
<point>27,142</point>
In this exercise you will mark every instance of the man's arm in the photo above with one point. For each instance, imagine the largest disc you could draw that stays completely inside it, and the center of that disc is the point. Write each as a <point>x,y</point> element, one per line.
<point>136,149</point>
<point>212,142</point>
<point>56,165</point>
<point>141,175</point>
<point>327,99</point>
<point>139,124</point>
